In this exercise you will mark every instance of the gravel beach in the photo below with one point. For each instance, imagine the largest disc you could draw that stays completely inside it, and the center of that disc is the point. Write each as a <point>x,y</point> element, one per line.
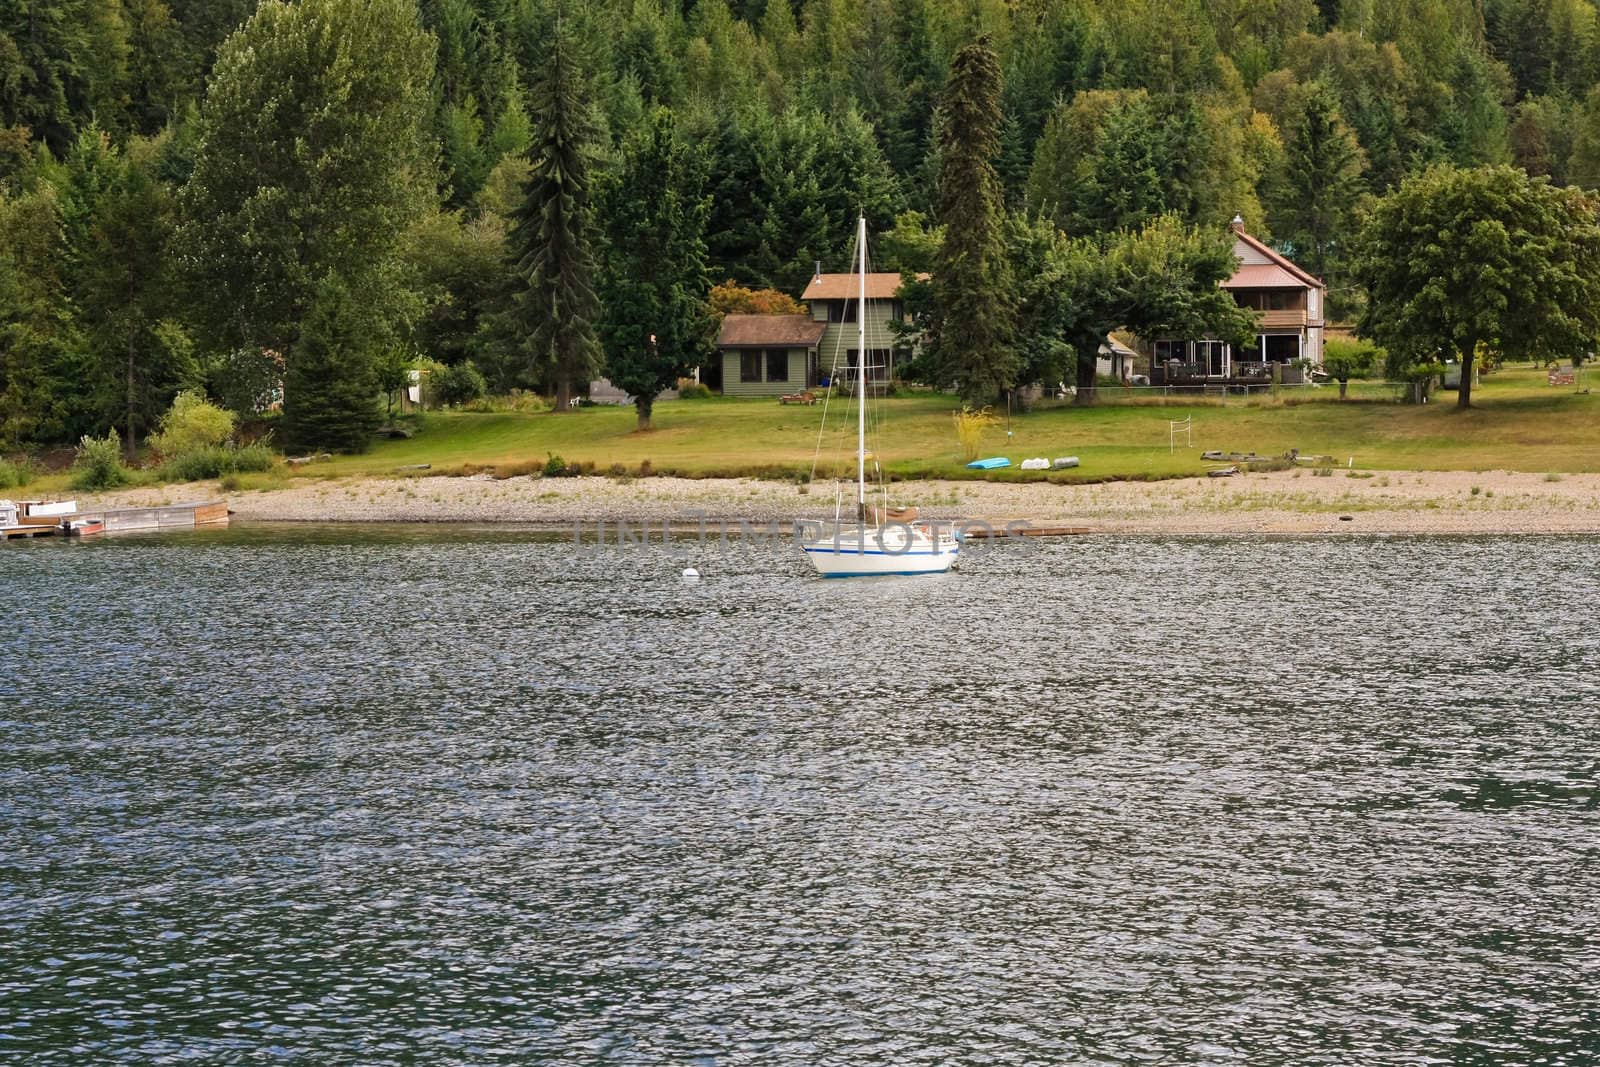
<point>1395,502</point>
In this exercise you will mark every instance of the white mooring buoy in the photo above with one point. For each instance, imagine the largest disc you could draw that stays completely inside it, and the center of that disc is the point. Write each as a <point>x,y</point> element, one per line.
<point>690,574</point>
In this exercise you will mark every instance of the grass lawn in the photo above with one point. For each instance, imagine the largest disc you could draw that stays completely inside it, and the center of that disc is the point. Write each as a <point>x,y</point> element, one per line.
<point>1518,423</point>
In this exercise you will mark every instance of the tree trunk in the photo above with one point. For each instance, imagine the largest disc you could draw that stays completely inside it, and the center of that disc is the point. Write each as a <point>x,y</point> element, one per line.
<point>563,395</point>
<point>1344,383</point>
<point>1464,396</point>
<point>131,443</point>
<point>644,404</point>
<point>1085,382</point>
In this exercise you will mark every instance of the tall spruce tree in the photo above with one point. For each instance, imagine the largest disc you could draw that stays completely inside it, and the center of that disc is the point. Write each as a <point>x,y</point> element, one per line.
<point>124,294</point>
<point>971,334</point>
<point>1321,181</point>
<point>331,384</point>
<point>553,302</point>
<point>654,325</point>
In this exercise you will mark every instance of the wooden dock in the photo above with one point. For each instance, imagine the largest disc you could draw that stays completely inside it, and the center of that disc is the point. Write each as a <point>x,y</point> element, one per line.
<point>8,533</point>
<point>1000,529</point>
<point>209,514</point>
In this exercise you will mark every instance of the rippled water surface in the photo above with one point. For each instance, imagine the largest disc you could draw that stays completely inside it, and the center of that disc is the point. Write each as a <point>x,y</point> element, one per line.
<point>396,796</point>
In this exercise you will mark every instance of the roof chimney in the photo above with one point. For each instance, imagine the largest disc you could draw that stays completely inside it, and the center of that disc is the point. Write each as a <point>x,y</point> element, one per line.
<point>1237,225</point>
<point>818,274</point>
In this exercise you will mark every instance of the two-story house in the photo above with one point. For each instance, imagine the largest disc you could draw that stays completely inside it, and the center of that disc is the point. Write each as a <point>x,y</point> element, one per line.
<point>834,300</point>
<point>1289,303</point>
<point>776,355</point>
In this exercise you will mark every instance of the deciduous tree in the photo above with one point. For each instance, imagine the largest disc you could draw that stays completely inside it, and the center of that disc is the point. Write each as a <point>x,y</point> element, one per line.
<point>312,164</point>
<point>1455,258</point>
<point>654,325</point>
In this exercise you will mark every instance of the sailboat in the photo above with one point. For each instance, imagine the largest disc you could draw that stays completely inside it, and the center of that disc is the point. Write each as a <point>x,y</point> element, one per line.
<point>875,543</point>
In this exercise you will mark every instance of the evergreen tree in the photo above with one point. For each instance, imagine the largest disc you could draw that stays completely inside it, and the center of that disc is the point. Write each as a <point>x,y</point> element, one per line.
<point>970,339</point>
<point>330,390</point>
<point>553,302</point>
<point>42,367</point>
<point>44,68</point>
<point>123,291</point>
<point>654,325</point>
<point>1321,182</point>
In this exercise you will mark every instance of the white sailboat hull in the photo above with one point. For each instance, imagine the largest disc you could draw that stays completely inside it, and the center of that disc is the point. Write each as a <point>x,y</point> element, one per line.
<point>874,547</point>
<point>877,551</point>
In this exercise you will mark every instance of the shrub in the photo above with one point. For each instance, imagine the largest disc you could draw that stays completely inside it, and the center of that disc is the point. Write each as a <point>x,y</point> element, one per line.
<point>970,426</point>
<point>99,463</point>
<point>460,384</point>
<point>16,475</point>
<point>199,464</point>
<point>192,423</point>
<point>524,401</point>
<point>555,466</point>
<point>689,389</point>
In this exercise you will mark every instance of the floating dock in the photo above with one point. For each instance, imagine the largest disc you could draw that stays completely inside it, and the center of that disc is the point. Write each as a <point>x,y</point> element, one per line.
<point>1001,529</point>
<point>24,531</point>
<point>207,514</point>
<point>167,517</point>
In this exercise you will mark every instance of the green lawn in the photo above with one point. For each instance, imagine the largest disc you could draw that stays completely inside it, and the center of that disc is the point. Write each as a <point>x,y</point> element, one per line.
<point>1520,423</point>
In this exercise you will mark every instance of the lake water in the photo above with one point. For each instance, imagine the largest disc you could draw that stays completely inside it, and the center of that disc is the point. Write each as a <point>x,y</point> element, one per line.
<point>396,796</point>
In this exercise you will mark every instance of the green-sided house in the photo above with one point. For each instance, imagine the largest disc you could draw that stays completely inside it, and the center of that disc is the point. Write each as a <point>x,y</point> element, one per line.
<point>834,300</point>
<point>769,355</point>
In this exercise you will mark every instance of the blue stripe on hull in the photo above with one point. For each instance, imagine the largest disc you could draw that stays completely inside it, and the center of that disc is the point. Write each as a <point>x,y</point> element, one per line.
<point>873,552</point>
<point>886,574</point>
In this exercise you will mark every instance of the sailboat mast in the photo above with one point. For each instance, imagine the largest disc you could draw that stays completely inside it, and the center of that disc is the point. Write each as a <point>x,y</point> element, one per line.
<point>861,375</point>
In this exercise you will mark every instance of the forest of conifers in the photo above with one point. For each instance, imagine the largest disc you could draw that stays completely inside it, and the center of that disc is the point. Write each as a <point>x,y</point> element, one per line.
<point>197,194</point>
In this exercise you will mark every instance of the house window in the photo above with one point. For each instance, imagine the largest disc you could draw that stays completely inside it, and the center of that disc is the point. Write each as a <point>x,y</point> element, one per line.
<point>750,362</point>
<point>777,364</point>
<point>1170,351</point>
<point>1212,357</point>
<point>842,311</point>
<point>1281,347</point>
<point>877,364</point>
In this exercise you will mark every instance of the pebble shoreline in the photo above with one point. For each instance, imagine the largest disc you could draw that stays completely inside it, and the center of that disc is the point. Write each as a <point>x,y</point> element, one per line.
<point>1291,502</point>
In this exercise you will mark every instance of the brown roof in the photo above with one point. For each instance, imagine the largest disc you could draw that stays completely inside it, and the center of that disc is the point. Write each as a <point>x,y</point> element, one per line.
<point>769,331</point>
<point>1263,276</point>
<point>1301,279</point>
<point>880,286</point>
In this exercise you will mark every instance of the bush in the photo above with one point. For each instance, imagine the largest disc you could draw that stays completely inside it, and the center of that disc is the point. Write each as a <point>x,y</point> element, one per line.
<point>16,475</point>
<point>555,466</point>
<point>689,389</point>
<point>1342,356</point>
<point>970,427</point>
<point>200,464</point>
<point>524,401</point>
<point>192,423</point>
<point>99,463</point>
<point>460,384</point>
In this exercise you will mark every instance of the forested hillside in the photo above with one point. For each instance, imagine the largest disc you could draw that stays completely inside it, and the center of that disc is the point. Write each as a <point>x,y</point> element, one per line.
<point>196,194</point>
